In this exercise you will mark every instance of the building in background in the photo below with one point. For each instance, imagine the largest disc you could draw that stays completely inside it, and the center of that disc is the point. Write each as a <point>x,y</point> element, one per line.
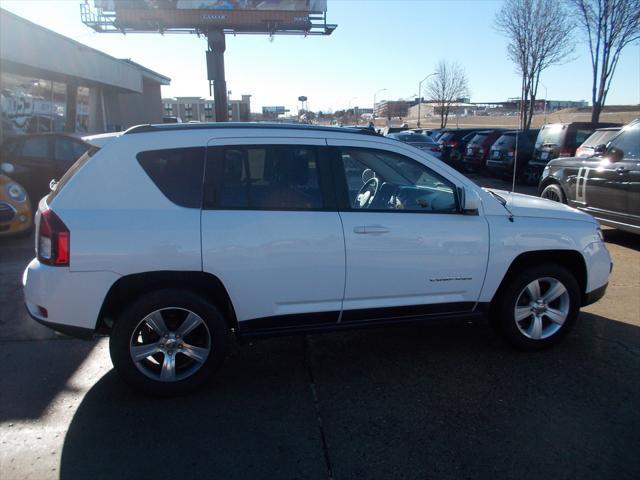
<point>197,109</point>
<point>393,108</point>
<point>49,82</point>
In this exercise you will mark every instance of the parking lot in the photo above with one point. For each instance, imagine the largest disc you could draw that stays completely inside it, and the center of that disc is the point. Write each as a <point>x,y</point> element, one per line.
<point>422,401</point>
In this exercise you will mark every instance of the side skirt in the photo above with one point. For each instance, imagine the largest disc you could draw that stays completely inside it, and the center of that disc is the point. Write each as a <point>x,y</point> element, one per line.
<point>355,319</point>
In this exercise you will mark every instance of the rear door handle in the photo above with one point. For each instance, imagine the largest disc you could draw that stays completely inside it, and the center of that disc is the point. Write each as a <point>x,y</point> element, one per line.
<point>621,170</point>
<point>371,229</point>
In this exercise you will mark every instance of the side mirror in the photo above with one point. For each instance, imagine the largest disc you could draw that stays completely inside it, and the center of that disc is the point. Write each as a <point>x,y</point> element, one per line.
<point>7,168</point>
<point>599,149</point>
<point>470,201</point>
<point>615,154</point>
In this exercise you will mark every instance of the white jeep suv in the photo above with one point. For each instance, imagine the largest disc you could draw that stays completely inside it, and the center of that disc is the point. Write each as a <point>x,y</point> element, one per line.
<point>170,237</point>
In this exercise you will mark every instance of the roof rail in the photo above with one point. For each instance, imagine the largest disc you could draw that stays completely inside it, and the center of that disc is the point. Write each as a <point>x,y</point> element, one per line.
<point>170,127</point>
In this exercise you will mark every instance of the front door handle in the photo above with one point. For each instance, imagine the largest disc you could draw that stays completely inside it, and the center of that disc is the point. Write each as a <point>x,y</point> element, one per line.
<point>370,229</point>
<point>621,170</point>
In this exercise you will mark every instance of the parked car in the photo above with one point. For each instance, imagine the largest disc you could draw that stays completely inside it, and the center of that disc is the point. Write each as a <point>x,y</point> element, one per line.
<point>16,216</point>
<point>394,129</point>
<point>35,160</point>
<point>503,151</point>
<point>475,156</point>
<point>419,140</point>
<point>607,185</point>
<point>597,142</point>
<point>559,140</point>
<point>453,143</point>
<point>183,234</point>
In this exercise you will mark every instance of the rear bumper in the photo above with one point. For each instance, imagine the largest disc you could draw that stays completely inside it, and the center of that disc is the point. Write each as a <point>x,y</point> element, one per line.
<point>70,330</point>
<point>66,301</point>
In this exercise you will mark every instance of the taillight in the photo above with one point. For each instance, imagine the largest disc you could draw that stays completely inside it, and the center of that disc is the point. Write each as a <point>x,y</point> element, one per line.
<point>53,240</point>
<point>565,153</point>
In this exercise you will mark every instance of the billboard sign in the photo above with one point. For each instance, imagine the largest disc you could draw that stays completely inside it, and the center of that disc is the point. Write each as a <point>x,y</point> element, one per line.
<point>256,16</point>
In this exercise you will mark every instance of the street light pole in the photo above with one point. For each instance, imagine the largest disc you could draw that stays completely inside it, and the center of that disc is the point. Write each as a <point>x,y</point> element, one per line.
<point>420,94</point>
<point>373,114</point>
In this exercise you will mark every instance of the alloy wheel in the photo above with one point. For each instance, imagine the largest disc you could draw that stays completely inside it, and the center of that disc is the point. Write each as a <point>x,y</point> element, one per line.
<point>170,344</point>
<point>542,308</point>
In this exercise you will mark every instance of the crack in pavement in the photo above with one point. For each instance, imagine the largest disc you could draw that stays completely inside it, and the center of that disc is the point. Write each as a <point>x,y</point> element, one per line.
<point>316,405</point>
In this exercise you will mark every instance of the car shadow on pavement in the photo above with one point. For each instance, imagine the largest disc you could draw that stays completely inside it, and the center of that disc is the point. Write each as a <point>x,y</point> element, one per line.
<point>622,238</point>
<point>445,401</point>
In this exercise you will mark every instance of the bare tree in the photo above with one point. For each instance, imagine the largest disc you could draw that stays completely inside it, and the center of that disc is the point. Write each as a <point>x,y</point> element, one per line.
<point>448,85</point>
<point>609,26</point>
<point>540,35</point>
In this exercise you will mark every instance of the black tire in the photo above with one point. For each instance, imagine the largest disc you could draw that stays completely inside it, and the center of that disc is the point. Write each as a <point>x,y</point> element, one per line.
<point>129,321</point>
<point>553,192</point>
<point>503,308</point>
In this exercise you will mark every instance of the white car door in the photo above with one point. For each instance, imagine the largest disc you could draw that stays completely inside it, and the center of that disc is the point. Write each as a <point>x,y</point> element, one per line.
<point>410,252</point>
<point>271,233</point>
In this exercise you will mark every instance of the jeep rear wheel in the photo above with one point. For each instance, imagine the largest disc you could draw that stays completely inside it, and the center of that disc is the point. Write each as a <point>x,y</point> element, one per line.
<point>168,342</point>
<point>537,307</point>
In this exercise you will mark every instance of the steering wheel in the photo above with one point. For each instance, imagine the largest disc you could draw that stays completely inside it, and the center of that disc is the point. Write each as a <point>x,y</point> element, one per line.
<point>367,193</point>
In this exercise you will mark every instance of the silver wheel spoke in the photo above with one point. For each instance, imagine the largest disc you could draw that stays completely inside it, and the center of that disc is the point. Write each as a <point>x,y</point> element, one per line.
<point>198,354</point>
<point>156,322</point>
<point>141,352</point>
<point>557,289</point>
<point>535,329</point>
<point>556,316</point>
<point>190,323</point>
<point>168,372</point>
<point>522,313</point>
<point>534,290</point>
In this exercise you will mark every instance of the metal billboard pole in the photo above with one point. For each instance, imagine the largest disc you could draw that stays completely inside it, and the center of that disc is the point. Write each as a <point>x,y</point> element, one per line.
<point>215,73</point>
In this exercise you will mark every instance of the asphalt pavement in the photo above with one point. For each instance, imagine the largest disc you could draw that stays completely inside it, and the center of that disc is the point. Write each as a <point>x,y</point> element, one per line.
<point>438,401</point>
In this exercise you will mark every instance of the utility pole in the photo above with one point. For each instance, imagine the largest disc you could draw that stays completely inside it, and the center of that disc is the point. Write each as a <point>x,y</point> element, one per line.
<point>420,94</point>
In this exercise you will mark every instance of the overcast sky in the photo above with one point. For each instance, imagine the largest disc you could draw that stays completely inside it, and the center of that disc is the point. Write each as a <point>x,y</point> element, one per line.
<point>378,44</point>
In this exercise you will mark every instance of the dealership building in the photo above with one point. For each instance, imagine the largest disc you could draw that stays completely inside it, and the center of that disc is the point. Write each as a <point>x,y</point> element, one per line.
<point>49,82</point>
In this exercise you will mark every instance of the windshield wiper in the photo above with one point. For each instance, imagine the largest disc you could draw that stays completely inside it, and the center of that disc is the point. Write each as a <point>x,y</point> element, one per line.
<point>497,197</point>
<point>502,201</point>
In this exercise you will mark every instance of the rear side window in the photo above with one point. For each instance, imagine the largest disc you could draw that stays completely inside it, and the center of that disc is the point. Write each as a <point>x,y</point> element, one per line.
<point>177,172</point>
<point>277,177</point>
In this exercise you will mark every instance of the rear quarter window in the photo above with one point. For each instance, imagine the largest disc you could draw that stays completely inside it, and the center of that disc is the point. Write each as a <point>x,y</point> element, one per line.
<point>177,172</point>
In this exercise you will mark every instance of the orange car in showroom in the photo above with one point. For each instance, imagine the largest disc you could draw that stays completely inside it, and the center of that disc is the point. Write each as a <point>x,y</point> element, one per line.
<point>16,216</point>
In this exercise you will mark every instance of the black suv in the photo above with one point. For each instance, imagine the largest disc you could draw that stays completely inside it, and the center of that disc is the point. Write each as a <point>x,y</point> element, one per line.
<point>559,140</point>
<point>607,186</point>
<point>503,151</point>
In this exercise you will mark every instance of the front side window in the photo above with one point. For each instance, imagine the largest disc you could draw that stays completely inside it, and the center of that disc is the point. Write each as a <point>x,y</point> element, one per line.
<point>629,141</point>
<point>177,172</point>
<point>68,150</point>
<point>277,177</point>
<point>381,180</point>
<point>35,147</point>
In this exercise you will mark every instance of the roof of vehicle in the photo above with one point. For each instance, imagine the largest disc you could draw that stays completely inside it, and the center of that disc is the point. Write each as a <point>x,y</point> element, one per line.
<point>170,127</point>
<point>584,124</point>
